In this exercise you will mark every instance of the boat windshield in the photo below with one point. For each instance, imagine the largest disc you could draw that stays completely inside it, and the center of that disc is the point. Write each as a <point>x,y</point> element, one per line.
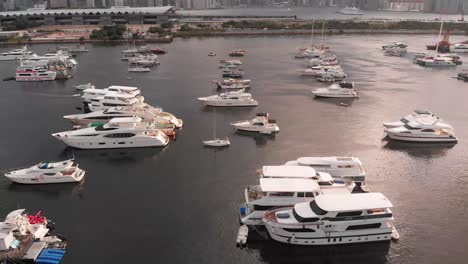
<point>316,209</point>
<point>404,120</point>
<point>410,127</point>
<point>301,219</point>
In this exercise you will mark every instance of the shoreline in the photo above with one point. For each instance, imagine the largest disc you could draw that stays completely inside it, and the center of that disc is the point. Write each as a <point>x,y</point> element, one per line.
<point>231,33</point>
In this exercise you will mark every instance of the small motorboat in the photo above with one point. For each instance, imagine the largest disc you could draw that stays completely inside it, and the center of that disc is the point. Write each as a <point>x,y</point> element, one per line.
<point>236,53</point>
<point>217,142</point>
<point>84,86</point>
<point>211,54</point>
<point>139,69</point>
<point>47,172</point>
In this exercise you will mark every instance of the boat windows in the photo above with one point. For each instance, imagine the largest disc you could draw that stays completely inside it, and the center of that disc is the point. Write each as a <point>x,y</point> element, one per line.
<point>325,183</point>
<point>303,219</point>
<point>428,130</point>
<point>88,135</point>
<point>120,135</point>
<point>281,194</point>
<point>100,117</point>
<point>49,174</point>
<point>367,226</point>
<point>305,194</point>
<point>102,128</point>
<point>316,209</point>
<point>320,166</point>
<point>375,211</point>
<point>298,230</point>
<point>347,214</point>
<point>404,120</point>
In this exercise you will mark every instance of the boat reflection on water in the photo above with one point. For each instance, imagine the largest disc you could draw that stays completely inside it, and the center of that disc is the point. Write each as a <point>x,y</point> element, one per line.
<point>344,102</point>
<point>260,139</point>
<point>275,252</point>
<point>129,155</point>
<point>420,150</point>
<point>51,191</point>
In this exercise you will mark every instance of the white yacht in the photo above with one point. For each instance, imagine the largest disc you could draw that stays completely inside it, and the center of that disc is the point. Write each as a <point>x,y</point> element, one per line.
<point>126,91</point>
<point>341,90</point>
<point>324,180</point>
<point>332,220</point>
<point>459,47</point>
<point>114,99</point>
<point>436,62</point>
<point>261,124</point>
<point>351,11</point>
<point>139,69</point>
<point>319,70</point>
<point>148,115</point>
<point>337,74</point>
<point>423,116</point>
<point>423,132</point>
<point>85,86</point>
<point>233,84</point>
<point>118,133</point>
<point>92,93</point>
<point>32,72</point>
<point>285,186</point>
<point>348,168</point>
<point>16,54</point>
<point>44,173</point>
<point>395,46</point>
<point>236,98</point>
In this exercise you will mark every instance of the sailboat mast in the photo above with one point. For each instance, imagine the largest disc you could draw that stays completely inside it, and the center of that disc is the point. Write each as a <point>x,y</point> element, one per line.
<point>323,28</point>
<point>312,33</point>
<point>214,122</point>
<point>440,33</point>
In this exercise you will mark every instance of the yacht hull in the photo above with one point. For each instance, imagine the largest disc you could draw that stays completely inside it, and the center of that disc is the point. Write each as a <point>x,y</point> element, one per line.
<point>409,138</point>
<point>39,179</point>
<point>256,129</point>
<point>135,142</point>
<point>329,238</point>
<point>331,95</point>
<point>229,103</point>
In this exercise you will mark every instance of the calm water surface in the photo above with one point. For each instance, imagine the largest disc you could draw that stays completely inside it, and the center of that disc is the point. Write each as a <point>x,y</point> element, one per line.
<point>180,204</point>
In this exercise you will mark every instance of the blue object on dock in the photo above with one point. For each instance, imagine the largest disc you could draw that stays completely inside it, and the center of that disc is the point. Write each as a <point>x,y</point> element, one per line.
<point>50,256</point>
<point>242,210</point>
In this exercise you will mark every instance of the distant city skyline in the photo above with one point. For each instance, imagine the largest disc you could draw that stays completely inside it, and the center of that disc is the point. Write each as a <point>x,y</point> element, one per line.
<point>437,6</point>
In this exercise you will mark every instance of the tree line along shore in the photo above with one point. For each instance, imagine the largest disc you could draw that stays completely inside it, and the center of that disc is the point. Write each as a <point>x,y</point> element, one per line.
<point>165,32</point>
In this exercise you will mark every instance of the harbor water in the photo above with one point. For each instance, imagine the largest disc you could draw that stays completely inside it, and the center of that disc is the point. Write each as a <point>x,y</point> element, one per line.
<point>180,204</point>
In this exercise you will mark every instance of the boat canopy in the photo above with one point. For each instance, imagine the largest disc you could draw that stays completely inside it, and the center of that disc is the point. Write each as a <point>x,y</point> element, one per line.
<point>422,112</point>
<point>352,202</point>
<point>11,217</point>
<point>311,161</point>
<point>119,120</point>
<point>284,171</point>
<point>288,185</point>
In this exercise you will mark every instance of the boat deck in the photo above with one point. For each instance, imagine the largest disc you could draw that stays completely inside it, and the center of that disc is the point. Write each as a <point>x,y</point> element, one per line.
<point>20,251</point>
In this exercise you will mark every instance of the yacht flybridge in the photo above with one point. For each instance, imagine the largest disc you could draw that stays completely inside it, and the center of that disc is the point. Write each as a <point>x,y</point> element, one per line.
<point>341,90</point>
<point>47,172</point>
<point>436,132</point>
<point>261,124</point>
<point>333,219</point>
<point>348,168</point>
<point>117,133</point>
<point>89,94</point>
<point>422,116</point>
<point>236,98</point>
